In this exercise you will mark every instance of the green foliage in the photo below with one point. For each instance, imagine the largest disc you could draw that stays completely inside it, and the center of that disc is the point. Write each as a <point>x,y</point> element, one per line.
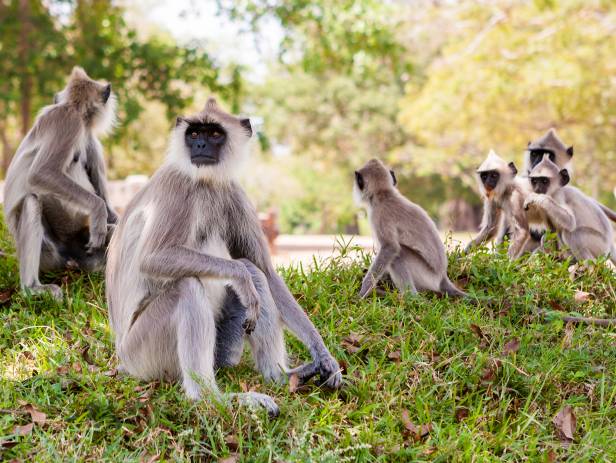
<point>421,354</point>
<point>514,70</point>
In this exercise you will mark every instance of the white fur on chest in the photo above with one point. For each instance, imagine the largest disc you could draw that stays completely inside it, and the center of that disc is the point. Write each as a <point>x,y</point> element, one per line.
<point>215,288</point>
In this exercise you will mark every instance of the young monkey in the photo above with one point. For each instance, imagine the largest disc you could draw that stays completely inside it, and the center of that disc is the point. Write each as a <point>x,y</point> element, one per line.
<point>579,221</point>
<point>410,248</point>
<point>504,195</point>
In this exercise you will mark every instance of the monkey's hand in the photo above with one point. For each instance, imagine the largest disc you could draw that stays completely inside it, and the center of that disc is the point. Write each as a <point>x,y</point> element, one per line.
<point>98,227</point>
<point>326,367</point>
<point>532,200</point>
<point>249,297</point>
<point>367,285</point>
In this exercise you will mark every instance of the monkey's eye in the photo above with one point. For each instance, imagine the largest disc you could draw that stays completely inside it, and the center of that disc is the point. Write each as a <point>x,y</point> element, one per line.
<point>216,134</point>
<point>483,175</point>
<point>193,135</point>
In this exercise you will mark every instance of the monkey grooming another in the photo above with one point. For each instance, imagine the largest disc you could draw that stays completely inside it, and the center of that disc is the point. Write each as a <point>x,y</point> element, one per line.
<point>578,220</point>
<point>409,246</point>
<point>55,198</point>
<point>558,153</point>
<point>189,275</point>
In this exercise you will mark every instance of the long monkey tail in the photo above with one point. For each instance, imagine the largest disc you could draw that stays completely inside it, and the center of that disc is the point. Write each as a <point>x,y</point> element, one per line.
<point>607,211</point>
<point>447,287</point>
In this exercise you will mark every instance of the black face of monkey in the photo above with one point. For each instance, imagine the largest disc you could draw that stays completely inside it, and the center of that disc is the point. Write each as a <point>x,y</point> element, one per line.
<point>540,184</point>
<point>536,155</point>
<point>205,140</point>
<point>490,179</point>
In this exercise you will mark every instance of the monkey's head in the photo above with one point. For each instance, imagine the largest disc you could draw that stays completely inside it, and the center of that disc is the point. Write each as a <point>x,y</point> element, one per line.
<point>371,179</point>
<point>547,177</point>
<point>552,146</point>
<point>494,175</point>
<point>210,144</point>
<point>93,99</point>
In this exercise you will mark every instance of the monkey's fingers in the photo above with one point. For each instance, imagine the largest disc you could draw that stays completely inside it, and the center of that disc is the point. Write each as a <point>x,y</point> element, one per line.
<point>305,372</point>
<point>249,325</point>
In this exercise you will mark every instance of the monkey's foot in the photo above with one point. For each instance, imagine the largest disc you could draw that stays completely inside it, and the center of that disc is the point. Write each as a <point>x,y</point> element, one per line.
<point>52,289</point>
<point>254,400</point>
<point>327,368</point>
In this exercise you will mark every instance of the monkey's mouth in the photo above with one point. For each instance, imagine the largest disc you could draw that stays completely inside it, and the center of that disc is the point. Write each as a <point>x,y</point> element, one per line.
<point>204,160</point>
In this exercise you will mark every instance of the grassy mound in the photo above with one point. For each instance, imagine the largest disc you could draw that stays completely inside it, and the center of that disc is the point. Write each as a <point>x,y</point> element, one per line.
<point>428,379</point>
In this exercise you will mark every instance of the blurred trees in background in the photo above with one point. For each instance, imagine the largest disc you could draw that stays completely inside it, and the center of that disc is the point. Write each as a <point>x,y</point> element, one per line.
<point>428,86</point>
<point>41,41</point>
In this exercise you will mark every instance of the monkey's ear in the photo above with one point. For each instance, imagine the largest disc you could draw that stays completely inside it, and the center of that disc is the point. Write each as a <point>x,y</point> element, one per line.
<point>360,180</point>
<point>570,151</point>
<point>179,120</point>
<point>246,124</point>
<point>564,177</point>
<point>513,168</point>
<point>393,177</point>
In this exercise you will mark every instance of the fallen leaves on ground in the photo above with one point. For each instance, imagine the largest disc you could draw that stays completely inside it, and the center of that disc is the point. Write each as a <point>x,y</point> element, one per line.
<point>233,458</point>
<point>412,430</point>
<point>293,382</point>
<point>581,296</point>
<point>461,414</point>
<point>352,343</point>
<point>511,346</point>
<point>23,430</point>
<point>394,356</point>
<point>37,416</point>
<point>565,422</point>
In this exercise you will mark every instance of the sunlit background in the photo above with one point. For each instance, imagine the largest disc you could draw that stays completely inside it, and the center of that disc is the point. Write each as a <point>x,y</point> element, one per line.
<point>427,86</point>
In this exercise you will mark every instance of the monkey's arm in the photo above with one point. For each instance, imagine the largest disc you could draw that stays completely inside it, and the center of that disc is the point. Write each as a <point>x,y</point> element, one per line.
<point>61,132</point>
<point>607,211</point>
<point>560,217</point>
<point>489,225</point>
<point>381,262</point>
<point>96,172</point>
<point>177,262</point>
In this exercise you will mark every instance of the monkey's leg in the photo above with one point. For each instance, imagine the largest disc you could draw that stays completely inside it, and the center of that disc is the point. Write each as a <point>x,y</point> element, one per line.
<point>30,246</point>
<point>381,262</point>
<point>503,229</point>
<point>492,217</point>
<point>267,340</point>
<point>401,276</point>
<point>298,322</point>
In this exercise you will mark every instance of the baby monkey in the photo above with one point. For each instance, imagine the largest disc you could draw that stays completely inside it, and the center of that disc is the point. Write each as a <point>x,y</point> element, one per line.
<point>409,246</point>
<point>579,221</point>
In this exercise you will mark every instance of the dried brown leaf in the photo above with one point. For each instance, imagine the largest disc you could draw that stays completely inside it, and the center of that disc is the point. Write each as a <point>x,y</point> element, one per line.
<point>394,356</point>
<point>37,416</point>
<point>581,296</point>
<point>145,458</point>
<point>511,346</point>
<point>477,331</point>
<point>565,422</point>
<point>556,306</point>
<point>414,431</point>
<point>232,442</point>
<point>461,413</point>
<point>550,456</point>
<point>352,343</point>
<point>111,373</point>
<point>77,367</point>
<point>5,295</point>
<point>233,458</point>
<point>568,336</point>
<point>23,430</point>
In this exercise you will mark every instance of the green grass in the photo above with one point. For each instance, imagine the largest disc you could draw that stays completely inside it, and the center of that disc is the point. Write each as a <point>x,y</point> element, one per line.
<point>419,354</point>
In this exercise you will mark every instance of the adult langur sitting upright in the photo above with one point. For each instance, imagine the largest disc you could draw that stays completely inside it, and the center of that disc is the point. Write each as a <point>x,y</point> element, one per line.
<point>55,198</point>
<point>189,275</point>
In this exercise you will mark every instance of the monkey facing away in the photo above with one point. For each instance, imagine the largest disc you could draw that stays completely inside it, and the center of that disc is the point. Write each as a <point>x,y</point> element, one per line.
<point>504,195</point>
<point>578,220</point>
<point>558,153</point>
<point>55,197</point>
<point>189,275</point>
<point>409,246</point>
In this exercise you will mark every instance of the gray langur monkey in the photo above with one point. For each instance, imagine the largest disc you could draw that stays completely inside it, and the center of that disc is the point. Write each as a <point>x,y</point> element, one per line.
<point>551,145</point>
<point>578,220</point>
<point>55,197</point>
<point>409,246</point>
<point>189,275</point>
<point>503,199</point>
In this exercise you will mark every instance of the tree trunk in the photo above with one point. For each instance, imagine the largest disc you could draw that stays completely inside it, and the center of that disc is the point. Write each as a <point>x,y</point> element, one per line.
<point>25,85</point>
